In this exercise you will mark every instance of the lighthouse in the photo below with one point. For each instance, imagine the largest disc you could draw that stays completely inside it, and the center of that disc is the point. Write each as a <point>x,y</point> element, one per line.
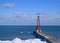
<point>43,36</point>
<point>38,29</point>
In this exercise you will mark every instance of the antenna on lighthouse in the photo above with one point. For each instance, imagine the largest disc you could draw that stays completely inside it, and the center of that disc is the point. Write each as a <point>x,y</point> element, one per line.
<point>38,29</point>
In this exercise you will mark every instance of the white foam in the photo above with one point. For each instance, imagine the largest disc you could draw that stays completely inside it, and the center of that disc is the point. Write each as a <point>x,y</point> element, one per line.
<point>17,40</point>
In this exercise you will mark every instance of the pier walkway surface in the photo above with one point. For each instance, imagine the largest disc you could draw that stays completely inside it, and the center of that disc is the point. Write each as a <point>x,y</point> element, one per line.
<point>50,38</point>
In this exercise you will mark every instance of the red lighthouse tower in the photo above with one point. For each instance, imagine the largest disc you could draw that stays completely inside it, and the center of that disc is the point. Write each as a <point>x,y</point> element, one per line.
<point>38,29</point>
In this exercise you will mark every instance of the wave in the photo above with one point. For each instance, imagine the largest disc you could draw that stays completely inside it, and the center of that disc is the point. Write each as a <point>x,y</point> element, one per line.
<point>17,40</point>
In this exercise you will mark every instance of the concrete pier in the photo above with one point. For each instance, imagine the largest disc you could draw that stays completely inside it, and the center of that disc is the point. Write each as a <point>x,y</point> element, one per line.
<point>49,37</point>
<point>45,37</point>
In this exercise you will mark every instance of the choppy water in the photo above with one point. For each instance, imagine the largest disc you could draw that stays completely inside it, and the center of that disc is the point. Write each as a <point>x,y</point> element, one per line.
<point>23,33</point>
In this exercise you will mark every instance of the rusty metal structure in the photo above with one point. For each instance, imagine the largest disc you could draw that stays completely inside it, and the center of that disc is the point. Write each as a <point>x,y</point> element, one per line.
<point>38,29</point>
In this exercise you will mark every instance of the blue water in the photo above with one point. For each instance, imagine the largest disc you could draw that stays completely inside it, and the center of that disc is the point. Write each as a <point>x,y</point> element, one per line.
<point>10,32</point>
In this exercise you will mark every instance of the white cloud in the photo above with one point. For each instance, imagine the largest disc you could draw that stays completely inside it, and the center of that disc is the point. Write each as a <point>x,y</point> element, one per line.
<point>8,5</point>
<point>23,16</point>
<point>19,18</point>
<point>47,20</point>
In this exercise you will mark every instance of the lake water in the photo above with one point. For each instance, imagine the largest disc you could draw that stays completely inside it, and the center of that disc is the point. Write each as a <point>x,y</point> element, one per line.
<point>23,33</point>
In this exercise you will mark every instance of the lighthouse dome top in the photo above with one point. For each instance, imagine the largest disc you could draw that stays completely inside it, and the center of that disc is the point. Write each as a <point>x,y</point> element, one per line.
<point>38,13</point>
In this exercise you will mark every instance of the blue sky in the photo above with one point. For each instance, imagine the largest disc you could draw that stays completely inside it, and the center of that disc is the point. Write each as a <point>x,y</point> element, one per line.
<point>23,12</point>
